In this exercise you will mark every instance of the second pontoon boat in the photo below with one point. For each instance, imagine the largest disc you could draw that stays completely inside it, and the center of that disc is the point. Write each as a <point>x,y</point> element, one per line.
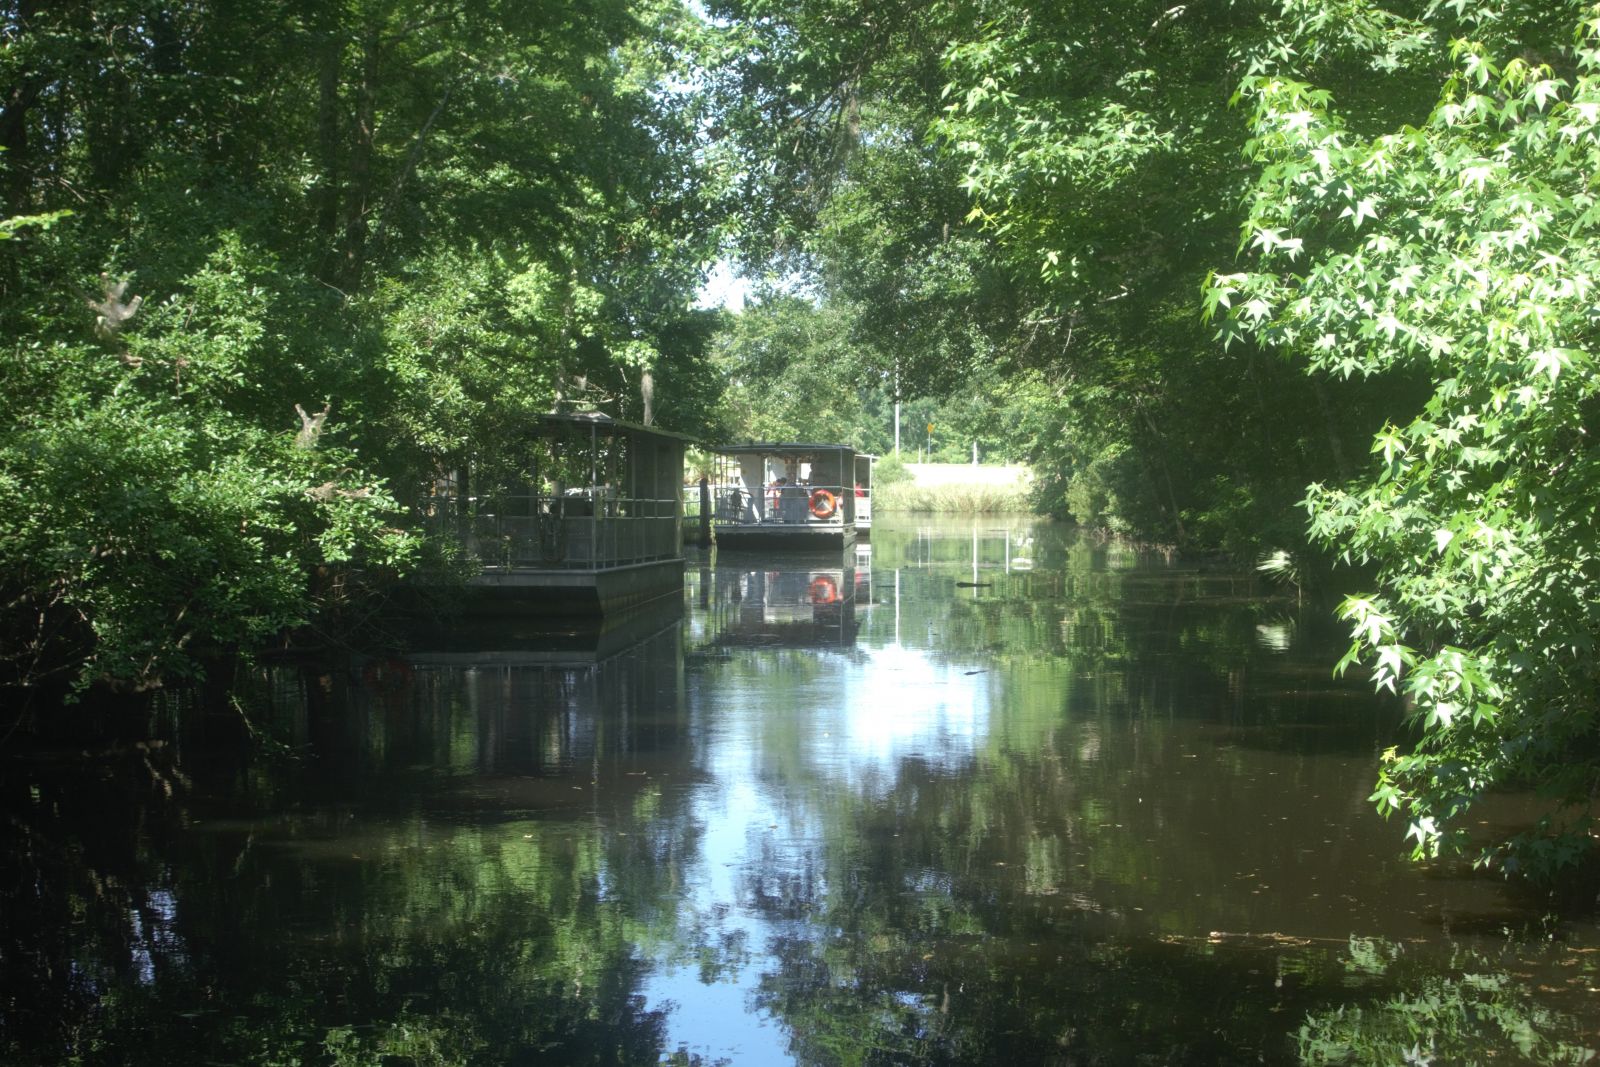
<point>787,495</point>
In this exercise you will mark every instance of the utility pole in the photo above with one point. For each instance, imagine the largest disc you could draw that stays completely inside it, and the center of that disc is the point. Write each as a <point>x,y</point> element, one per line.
<point>897,407</point>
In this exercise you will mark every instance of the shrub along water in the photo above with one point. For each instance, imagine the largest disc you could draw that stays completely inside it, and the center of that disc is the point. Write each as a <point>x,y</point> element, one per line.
<point>264,292</point>
<point>970,499</point>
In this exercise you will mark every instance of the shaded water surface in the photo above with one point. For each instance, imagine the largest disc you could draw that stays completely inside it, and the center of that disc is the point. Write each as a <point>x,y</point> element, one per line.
<point>978,793</point>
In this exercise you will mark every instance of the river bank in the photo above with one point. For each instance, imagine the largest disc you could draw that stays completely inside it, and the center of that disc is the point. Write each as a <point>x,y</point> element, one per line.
<point>954,489</point>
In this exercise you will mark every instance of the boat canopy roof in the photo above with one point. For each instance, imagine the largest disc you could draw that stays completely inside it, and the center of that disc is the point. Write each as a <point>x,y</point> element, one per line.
<point>779,448</point>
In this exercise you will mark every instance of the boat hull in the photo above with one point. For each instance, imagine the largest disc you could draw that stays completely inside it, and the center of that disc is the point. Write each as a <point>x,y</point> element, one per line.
<point>529,591</point>
<point>777,535</point>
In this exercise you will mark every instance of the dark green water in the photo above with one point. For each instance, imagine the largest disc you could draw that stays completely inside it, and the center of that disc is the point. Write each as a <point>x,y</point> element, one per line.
<point>980,794</point>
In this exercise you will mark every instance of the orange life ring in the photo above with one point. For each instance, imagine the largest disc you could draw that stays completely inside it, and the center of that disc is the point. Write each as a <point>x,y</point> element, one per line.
<point>823,504</point>
<point>823,590</point>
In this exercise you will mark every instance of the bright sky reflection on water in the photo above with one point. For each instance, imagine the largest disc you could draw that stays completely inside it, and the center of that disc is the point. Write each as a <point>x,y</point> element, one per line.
<point>869,711</point>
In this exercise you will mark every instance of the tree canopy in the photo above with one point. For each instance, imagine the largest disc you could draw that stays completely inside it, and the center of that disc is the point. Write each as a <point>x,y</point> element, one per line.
<point>1462,245</point>
<point>267,267</point>
<point>298,256</point>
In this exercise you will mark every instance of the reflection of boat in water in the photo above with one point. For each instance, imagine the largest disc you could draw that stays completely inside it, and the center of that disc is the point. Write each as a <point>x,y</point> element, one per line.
<point>532,703</point>
<point>794,601</point>
<point>790,496</point>
<point>863,562</point>
<point>573,642</point>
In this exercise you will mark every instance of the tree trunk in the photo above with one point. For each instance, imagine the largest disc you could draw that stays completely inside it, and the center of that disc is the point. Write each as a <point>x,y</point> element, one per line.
<point>325,194</point>
<point>392,202</point>
<point>19,101</point>
<point>110,106</point>
<point>1335,443</point>
<point>359,195</point>
<point>1160,453</point>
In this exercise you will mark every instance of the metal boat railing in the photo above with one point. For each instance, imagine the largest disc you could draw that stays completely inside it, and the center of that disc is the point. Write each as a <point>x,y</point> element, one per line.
<point>569,532</point>
<point>785,505</point>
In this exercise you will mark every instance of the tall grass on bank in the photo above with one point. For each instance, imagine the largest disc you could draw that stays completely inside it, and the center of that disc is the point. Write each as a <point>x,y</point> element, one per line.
<point>950,499</point>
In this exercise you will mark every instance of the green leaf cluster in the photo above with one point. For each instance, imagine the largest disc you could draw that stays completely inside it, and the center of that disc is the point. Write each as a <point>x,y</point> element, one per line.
<point>1463,247</point>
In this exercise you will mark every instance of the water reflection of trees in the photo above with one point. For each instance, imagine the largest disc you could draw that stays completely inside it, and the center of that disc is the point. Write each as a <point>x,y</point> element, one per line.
<point>882,1000</point>
<point>1134,636</point>
<point>1132,712</point>
<point>962,924</point>
<point>472,864</point>
<point>1475,1012</point>
<point>1038,900</point>
<point>997,825</point>
<point>260,952</point>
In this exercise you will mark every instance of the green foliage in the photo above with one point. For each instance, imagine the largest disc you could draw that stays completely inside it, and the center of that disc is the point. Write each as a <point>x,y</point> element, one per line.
<point>1091,493</point>
<point>420,1042</point>
<point>1478,1016</point>
<point>799,91</point>
<point>1096,153</point>
<point>1091,138</point>
<point>338,245</point>
<point>159,510</point>
<point>1005,210</point>
<point>9,228</point>
<point>889,471</point>
<point>1463,246</point>
<point>789,371</point>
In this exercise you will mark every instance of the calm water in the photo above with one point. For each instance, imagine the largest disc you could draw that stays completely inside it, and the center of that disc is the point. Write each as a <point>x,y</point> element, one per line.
<point>978,794</point>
